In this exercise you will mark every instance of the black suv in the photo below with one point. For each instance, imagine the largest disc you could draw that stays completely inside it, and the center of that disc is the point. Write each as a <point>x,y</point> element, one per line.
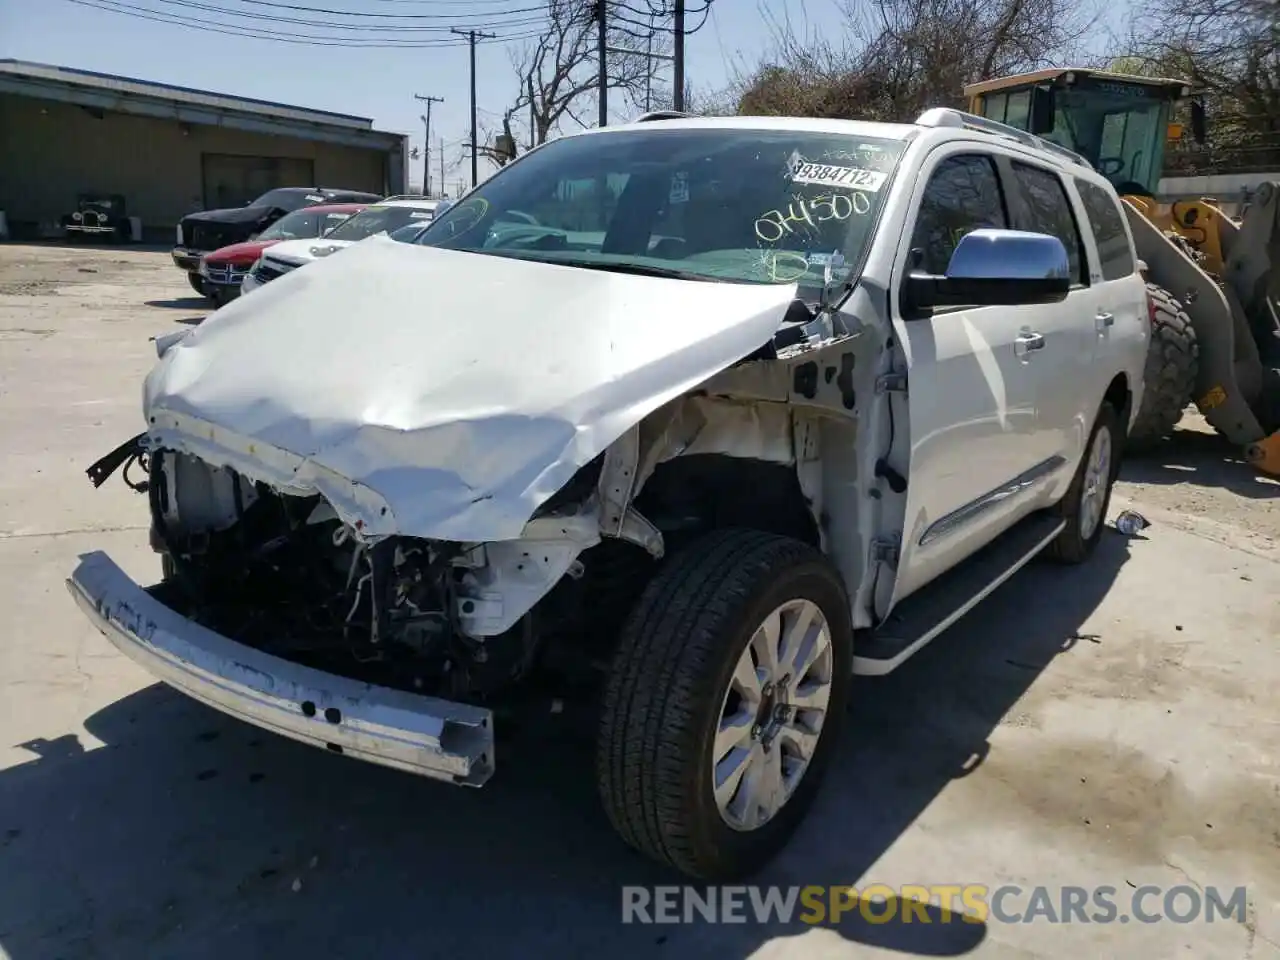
<point>208,230</point>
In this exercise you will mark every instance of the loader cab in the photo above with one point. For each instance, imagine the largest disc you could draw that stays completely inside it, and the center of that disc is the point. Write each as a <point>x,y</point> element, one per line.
<point>1119,123</point>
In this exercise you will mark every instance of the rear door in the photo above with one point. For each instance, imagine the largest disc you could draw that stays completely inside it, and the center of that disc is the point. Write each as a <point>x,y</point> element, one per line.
<point>974,428</point>
<point>1122,298</point>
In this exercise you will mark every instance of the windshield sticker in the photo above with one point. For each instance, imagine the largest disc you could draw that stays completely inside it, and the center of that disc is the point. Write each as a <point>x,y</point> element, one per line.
<point>679,188</point>
<point>809,212</point>
<point>801,170</point>
<point>315,198</point>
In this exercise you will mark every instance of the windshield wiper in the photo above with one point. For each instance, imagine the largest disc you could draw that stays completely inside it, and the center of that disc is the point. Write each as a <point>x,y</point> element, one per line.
<point>638,269</point>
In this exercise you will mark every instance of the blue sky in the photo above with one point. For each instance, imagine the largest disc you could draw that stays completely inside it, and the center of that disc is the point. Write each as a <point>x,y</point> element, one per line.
<point>376,83</point>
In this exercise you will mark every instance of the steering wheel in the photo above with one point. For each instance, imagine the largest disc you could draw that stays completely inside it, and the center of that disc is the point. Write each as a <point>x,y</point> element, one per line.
<point>520,215</point>
<point>1110,166</point>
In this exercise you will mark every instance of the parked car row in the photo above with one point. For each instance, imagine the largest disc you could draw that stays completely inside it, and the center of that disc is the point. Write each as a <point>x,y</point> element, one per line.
<point>394,213</point>
<point>223,252</point>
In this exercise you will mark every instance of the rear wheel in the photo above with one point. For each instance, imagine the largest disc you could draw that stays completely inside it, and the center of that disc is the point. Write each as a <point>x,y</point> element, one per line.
<point>1173,361</point>
<point>1085,504</point>
<point>723,702</point>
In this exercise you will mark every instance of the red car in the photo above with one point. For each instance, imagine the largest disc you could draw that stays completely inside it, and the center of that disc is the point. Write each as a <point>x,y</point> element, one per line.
<point>223,270</point>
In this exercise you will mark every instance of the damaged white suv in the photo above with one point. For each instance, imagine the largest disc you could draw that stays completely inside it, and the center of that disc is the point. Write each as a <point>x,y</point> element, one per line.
<point>672,415</point>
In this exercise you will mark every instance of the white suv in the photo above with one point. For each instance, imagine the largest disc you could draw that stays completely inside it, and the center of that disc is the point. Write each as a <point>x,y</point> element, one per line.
<point>693,417</point>
<point>385,216</point>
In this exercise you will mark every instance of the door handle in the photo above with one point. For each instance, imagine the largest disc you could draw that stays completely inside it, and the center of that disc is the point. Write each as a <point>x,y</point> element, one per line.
<point>1027,342</point>
<point>1105,320</point>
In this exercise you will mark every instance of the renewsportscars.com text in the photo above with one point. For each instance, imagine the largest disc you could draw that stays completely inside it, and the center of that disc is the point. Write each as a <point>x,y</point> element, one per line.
<point>933,903</point>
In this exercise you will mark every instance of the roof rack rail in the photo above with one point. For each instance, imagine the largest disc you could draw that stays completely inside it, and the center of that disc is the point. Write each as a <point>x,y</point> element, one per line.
<point>662,115</point>
<point>948,117</point>
<point>406,196</point>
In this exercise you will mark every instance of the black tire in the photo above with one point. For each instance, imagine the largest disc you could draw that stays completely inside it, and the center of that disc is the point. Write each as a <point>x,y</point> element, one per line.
<point>662,702</point>
<point>1173,361</point>
<point>1071,546</point>
<point>197,283</point>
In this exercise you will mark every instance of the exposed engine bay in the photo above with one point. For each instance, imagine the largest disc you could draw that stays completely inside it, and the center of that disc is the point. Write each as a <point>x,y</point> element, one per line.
<point>282,573</point>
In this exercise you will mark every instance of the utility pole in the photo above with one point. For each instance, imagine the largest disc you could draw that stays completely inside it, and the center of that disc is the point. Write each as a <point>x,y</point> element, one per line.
<point>602,53</point>
<point>678,50</point>
<point>472,36</point>
<point>426,144</point>
<point>443,188</point>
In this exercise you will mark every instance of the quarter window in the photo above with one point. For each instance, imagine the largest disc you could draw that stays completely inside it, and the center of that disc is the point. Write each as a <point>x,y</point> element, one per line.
<point>1047,210</point>
<point>963,195</point>
<point>1108,231</point>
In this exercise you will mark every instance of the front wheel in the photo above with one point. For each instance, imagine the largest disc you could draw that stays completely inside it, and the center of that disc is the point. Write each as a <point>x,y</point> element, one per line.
<point>724,701</point>
<point>197,283</point>
<point>1084,507</point>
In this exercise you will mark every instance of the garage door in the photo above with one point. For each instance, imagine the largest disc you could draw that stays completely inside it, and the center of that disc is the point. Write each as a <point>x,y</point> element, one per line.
<point>232,181</point>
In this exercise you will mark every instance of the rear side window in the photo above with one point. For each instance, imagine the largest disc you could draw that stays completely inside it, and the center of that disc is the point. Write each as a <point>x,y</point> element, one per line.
<point>1107,224</point>
<point>1047,210</point>
<point>962,195</point>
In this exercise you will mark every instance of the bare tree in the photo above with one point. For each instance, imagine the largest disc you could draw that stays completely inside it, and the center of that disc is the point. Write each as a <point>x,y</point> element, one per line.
<point>1229,51</point>
<point>899,57</point>
<point>558,71</point>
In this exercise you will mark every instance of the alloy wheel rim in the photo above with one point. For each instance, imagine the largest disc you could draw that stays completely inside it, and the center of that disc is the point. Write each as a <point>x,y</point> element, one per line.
<point>1097,475</point>
<point>772,715</point>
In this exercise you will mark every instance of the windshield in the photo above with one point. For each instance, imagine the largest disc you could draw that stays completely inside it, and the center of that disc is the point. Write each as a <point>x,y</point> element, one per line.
<point>287,199</point>
<point>735,205</point>
<point>302,225</point>
<point>376,219</point>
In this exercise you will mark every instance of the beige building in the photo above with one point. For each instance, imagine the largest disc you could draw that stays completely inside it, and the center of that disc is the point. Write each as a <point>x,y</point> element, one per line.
<point>169,150</point>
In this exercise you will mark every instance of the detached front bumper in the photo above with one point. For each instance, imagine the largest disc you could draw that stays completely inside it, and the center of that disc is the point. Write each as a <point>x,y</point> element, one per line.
<point>423,735</point>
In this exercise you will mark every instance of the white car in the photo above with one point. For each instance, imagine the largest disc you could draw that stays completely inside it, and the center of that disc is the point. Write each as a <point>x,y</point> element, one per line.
<point>383,217</point>
<point>699,417</point>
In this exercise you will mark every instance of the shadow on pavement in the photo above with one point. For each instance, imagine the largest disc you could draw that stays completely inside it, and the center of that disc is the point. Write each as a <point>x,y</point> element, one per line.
<point>192,835</point>
<point>182,303</point>
<point>1205,459</point>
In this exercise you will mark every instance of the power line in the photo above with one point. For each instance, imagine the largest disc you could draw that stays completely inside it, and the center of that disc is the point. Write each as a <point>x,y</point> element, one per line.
<point>328,24</point>
<point>354,13</point>
<point>261,33</point>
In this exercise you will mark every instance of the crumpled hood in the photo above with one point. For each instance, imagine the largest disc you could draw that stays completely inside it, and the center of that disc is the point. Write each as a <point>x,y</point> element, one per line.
<point>461,390</point>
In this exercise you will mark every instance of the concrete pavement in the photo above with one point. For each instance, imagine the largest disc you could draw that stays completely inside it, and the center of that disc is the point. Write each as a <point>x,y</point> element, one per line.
<point>1115,725</point>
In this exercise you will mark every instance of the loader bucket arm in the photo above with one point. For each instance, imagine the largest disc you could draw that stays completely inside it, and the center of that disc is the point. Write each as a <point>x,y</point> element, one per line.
<point>1251,253</point>
<point>1230,369</point>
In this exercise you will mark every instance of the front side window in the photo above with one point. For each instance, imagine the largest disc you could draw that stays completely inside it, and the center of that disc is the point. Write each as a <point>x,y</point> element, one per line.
<point>1048,210</point>
<point>377,219</point>
<point>721,204</point>
<point>1108,231</point>
<point>963,194</point>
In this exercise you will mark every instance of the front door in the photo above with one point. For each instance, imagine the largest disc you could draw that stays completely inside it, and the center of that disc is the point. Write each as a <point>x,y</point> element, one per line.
<point>976,438</point>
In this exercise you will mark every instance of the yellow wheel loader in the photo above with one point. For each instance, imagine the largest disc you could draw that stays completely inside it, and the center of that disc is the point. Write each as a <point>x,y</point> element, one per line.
<point>1215,302</point>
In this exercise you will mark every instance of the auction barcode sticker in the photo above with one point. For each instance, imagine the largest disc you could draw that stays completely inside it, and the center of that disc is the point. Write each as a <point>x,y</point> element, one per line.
<point>828,175</point>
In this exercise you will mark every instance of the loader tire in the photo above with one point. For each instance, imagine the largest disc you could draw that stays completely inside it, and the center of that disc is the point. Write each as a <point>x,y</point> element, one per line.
<point>1173,361</point>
